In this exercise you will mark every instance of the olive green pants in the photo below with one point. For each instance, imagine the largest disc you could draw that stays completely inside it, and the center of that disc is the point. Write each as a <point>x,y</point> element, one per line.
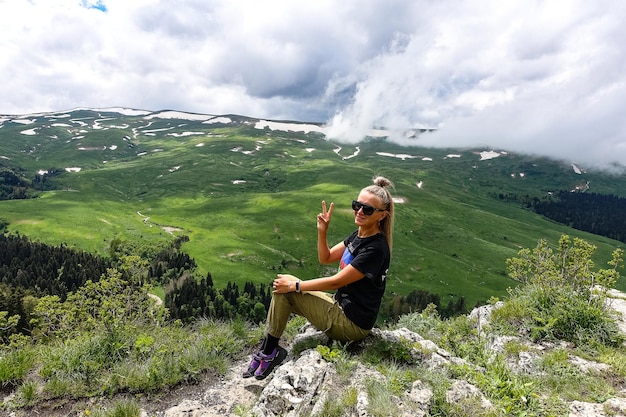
<point>319,308</point>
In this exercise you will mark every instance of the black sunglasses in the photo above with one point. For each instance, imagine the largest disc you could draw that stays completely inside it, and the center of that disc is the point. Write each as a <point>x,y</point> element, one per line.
<point>367,209</point>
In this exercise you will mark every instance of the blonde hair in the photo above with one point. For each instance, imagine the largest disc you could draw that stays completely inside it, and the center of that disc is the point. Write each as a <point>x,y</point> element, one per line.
<point>379,189</point>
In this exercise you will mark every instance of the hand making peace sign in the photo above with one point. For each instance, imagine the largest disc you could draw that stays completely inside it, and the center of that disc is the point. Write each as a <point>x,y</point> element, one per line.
<point>323,219</point>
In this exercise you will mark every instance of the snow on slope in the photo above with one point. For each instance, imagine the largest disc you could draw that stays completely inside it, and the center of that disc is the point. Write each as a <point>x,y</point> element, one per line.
<point>169,114</point>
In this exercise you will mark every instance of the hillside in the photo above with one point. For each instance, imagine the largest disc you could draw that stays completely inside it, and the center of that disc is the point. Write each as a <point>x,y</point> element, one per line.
<point>475,365</point>
<point>238,196</point>
<point>246,192</point>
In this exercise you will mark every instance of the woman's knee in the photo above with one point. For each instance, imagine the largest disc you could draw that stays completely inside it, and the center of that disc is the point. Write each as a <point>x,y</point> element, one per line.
<point>281,299</point>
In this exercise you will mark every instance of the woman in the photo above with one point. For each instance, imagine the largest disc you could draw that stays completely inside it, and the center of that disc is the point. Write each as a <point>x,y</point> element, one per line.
<point>360,282</point>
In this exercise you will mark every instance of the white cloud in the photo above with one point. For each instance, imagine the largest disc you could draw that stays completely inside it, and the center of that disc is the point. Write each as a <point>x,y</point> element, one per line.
<point>532,76</point>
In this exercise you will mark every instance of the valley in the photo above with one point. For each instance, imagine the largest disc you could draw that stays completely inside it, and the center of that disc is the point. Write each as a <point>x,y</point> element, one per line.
<point>246,192</point>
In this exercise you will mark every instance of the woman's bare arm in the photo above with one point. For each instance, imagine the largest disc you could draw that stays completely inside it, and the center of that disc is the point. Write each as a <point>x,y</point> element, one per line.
<point>286,283</point>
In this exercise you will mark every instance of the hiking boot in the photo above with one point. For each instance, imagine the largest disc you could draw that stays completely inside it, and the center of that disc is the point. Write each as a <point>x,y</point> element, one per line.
<point>254,364</point>
<point>269,362</point>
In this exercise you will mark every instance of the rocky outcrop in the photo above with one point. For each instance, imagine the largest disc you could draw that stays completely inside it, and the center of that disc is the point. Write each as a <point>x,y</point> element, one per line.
<point>296,387</point>
<point>306,384</point>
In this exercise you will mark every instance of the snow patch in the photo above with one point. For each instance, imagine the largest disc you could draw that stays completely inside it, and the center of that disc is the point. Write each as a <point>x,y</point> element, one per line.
<point>178,115</point>
<point>356,152</point>
<point>308,128</point>
<point>453,155</point>
<point>401,156</point>
<point>238,182</point>
<point>78,122</point>
<point>289,127</point>
<point>577,169</point>
<point>73,169</point>
<point>484,155</point>
<point>92,148</point>
<point>29,132</point>
<point>240,149</point>
<point>42,172</point>
<point>24,121</point>
<point>182,135</point>
<point>224,120</point>
<point>125,111</point>
<point>581,187</point>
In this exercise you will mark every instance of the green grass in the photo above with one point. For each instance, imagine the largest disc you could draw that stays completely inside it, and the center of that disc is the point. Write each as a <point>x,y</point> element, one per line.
<point>111,372</point>
<point>15,363</point>
<point>452,236</point>
<point>120,408</point>
<point>139,361</point>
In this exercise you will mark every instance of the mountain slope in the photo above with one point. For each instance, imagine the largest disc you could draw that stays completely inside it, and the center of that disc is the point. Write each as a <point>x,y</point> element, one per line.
<point>246,192</point>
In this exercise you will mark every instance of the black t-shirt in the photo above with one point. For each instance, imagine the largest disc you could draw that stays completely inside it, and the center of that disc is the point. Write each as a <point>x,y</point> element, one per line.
<point>361,300</point>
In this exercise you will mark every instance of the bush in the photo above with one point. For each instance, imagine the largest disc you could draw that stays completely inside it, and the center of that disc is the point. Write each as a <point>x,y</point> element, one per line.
<point>15,364</point>
<point>563,298</point>
<point>121,408</point>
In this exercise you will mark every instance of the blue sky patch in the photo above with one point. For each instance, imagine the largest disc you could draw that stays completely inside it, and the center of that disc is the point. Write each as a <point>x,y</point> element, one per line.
<point>98,5</point>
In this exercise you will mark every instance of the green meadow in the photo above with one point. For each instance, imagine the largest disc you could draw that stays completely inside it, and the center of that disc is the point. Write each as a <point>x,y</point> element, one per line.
<point>248,198</point>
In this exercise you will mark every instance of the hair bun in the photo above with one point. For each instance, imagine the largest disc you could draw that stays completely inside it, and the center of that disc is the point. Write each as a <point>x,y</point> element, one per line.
<point>382,182</point>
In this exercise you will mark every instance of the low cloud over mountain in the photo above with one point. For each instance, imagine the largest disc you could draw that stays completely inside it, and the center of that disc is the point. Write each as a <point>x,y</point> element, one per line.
<point>539,77</point>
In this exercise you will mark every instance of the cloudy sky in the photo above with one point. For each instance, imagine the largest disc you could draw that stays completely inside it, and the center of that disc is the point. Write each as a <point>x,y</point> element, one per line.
<point>539,76</point>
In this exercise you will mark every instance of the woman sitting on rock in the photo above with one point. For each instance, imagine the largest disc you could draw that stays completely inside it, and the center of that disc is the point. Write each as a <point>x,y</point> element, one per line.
<point>363,259</point>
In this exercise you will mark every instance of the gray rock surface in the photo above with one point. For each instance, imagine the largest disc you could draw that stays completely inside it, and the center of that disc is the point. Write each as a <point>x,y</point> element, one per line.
<point>303,385</point>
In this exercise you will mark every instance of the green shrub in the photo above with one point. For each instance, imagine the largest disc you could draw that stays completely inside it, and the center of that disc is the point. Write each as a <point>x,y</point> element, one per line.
<point>380,351</point>
<point>399,378</point>
<point>108,305</point>
<point>460,336</point>
<point>424,323</point>
<point>15,363</point>
<point>120,408</point>
<point>84,361</point>
<point>560,376</point>
<point>515,394</point>
<point>614,357</point>
<point>381,399</point>
<point>511,317</point>
<point>221,337</point>
<point>339,406</point>
<point>563,298</point>
<point>344,364</point>
<point>59,386</point>
<point>131,359</point>
<point>332,407</point>
<point>27,394</point>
